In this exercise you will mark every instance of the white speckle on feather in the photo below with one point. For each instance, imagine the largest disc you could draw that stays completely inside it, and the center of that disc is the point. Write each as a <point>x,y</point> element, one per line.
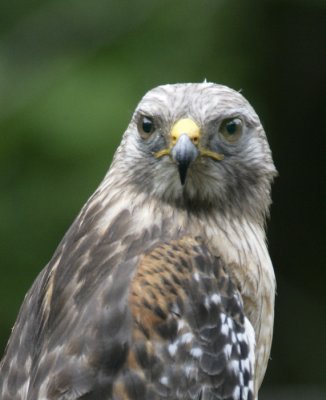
<point>216,298</point>
<point>172,349</point>
<point>164,380</point>
<point>186,338</point>
<point>196,352</point>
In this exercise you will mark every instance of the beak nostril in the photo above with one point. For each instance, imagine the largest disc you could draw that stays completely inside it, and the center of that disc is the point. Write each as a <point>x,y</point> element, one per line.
<point>185,126</point>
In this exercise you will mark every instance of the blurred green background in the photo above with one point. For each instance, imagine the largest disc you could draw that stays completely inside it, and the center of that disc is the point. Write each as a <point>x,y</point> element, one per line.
<point>71,73</point>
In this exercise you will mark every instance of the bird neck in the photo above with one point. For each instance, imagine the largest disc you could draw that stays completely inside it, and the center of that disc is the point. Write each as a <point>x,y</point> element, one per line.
<point>241,239</point>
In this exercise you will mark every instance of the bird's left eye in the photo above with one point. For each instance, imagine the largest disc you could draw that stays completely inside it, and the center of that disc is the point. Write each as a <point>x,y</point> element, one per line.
<point>231,129</point>
<point>145,127</point>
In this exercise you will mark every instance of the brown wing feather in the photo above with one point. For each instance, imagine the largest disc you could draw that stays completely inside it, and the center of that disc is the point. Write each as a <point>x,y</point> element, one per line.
<point>165,325</point>
<point>189,337</point>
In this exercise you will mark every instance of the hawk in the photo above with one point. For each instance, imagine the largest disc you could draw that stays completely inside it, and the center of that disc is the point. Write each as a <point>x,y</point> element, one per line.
<point>163,287</point>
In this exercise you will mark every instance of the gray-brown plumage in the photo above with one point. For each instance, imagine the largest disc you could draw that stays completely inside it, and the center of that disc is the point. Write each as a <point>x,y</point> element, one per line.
<point>163,287</point>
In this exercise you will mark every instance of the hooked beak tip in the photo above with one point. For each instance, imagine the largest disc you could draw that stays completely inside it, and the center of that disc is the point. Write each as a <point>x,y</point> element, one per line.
<point>184,153</point>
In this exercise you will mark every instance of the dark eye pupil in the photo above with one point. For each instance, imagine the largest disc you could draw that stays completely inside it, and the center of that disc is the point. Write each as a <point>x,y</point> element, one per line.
<point>231,127</point>
<point>147,125</point>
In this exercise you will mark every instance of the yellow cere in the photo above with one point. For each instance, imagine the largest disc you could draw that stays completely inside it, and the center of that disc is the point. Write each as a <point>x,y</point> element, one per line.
<point>185,126</point>
<point>188,127</point>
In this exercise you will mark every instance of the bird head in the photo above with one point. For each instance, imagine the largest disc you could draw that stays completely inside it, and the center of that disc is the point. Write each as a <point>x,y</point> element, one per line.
<point>198,146</point>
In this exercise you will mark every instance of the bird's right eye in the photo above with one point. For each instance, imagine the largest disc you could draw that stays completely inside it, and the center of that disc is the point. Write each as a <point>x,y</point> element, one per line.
<point>145,127</point>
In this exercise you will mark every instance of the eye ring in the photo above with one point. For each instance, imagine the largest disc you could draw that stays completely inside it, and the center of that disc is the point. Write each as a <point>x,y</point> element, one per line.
<point>231,129</point>
<point>145,126</point>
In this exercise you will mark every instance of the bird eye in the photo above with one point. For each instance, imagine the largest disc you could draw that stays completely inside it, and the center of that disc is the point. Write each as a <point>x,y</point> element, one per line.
<point>231,129</point>
<point>145,127</point>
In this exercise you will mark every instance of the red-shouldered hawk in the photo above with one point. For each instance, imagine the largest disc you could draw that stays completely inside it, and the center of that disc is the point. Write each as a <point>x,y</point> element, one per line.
<point>163,287</point>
